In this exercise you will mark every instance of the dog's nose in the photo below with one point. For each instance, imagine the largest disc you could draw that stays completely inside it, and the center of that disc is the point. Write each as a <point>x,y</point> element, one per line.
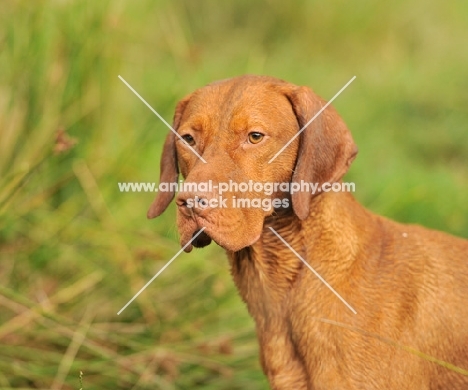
<point>190,203</point>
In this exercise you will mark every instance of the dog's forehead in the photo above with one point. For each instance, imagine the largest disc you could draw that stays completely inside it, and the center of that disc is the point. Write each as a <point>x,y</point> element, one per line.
<point>244,100</point>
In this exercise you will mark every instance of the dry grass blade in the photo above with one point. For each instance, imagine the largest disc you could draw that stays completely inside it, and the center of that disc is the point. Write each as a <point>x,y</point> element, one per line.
<point>76,341</point>
<point>64,295</point>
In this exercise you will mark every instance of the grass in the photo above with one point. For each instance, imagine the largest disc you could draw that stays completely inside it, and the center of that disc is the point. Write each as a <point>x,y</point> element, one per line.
<point>73,250</point>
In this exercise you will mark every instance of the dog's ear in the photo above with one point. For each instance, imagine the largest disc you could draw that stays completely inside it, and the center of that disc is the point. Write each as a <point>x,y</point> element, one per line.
<point>326,147</point>
<point>169,168</point>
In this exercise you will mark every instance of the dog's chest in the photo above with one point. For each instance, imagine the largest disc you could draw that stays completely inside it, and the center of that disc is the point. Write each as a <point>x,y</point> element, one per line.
<point>264,278</point>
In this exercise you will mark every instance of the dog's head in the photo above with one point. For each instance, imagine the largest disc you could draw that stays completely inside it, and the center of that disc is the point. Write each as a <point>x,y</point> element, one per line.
<point>237,126</point>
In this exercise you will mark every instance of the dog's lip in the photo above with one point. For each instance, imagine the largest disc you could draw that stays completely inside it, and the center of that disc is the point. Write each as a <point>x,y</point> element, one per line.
<point>202,239</point>
<point>208,235</point>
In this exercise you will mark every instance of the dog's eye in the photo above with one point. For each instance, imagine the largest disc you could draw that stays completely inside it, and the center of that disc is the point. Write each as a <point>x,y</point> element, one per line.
<point>189,139</point>
<point>255,137</point>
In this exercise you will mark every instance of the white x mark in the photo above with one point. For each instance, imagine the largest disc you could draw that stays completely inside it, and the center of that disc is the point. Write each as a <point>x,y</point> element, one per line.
<point>313,118</point>
<point>161,270</point>
<point>162,119</point>
<point>314,271</point>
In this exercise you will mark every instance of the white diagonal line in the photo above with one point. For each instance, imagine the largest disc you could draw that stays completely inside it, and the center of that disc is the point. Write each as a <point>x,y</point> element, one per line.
<point>314,271</point>
<point>161,270</point>
<point>162,119</point>
<point>310,121</point>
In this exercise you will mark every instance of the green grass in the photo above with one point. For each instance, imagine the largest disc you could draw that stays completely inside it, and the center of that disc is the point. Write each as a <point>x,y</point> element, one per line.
<point>73,250</point>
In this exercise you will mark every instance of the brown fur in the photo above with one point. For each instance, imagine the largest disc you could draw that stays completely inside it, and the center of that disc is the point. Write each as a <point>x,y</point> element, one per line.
<point>408,284</point>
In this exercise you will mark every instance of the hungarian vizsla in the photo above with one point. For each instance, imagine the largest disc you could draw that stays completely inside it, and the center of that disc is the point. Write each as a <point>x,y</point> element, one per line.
<point>407,284</point>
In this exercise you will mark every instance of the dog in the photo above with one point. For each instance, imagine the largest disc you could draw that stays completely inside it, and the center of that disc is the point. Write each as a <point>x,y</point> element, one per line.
<point>407,285</point>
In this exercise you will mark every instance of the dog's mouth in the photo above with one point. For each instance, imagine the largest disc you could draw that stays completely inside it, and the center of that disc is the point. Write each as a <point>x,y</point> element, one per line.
<point>201,240</point>
<point>198,239</point>
<point>201,232</point>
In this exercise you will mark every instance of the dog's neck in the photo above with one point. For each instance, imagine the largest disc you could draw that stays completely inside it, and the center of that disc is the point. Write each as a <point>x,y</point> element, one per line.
<point>270,267</point>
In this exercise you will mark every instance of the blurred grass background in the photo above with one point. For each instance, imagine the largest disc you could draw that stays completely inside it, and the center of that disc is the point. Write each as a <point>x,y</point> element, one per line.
<point>73,250</point>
